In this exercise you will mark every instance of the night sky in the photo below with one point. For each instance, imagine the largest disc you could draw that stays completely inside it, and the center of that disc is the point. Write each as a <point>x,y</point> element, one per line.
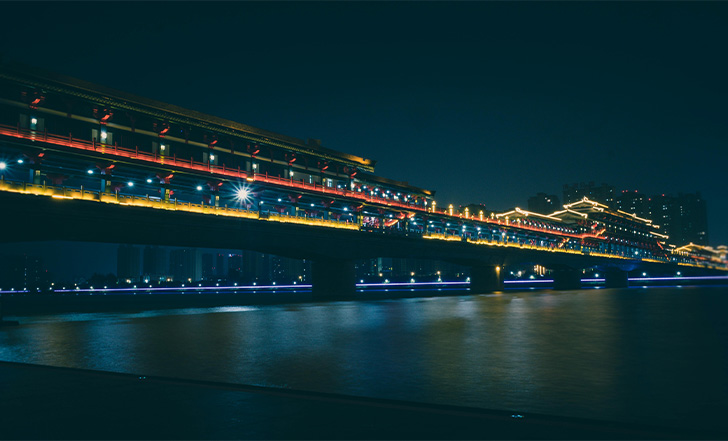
<point>482,102</point>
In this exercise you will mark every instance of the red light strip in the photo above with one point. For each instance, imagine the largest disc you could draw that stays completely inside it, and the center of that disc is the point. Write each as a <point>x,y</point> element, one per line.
<point>115,150</point>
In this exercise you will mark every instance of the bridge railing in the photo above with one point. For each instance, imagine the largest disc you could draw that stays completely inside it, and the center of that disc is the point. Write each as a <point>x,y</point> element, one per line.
<point>173,160</point>
<point>191,164</point>
<point>156,202</point>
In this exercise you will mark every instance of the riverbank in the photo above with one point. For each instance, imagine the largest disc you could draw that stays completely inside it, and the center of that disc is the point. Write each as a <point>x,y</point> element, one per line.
<point>42,402</point>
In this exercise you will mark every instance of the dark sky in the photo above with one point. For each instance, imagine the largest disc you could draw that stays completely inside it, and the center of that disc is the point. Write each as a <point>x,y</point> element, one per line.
<point>482,102</point>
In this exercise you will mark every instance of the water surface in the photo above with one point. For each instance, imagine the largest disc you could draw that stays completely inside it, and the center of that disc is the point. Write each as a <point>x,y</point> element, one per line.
<point>656,355</point>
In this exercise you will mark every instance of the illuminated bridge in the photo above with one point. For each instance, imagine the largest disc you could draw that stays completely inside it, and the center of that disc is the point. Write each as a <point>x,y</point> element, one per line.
<point>83,162</point>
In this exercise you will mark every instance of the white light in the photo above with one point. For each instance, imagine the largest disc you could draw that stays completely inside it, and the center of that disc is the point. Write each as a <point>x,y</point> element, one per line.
<point>103,134</point>
<point>149,180</point>
<point>130,184</point>
<point>90,172</point>
<point>199,187</point>
<point>162,146</point>
<point>212,157</point>
<point>20,161</point>
<point>34,120</point>
<point>242,194</point>
<point>346,209</point>
<point>279,199</point>
<point>596,275</point>
<point>3,166</point>
<point>644,274</point>
<point>312,205</point>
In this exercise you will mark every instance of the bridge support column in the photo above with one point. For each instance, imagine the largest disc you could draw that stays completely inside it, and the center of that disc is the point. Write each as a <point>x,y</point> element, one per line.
<point>616,278</point>
<point>486,278</point>
<point>333,279</point>
<point>567,278</point>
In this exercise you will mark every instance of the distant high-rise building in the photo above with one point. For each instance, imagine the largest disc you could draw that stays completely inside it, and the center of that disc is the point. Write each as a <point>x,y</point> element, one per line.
<point>683,217</point>
<point>208,266</point>
<point>690,220</point>
<point>295,270</point>
<point>603,193</point>
<point>660,209</point>
<point>20,272</point>
<point>214,266</point>
<point>632,202</point>
<point>155,265</point>
<point>185,264</point>
<point>252,266</point>
<point>221,265</point>
<point>544,203</point>
<point>128,263</point>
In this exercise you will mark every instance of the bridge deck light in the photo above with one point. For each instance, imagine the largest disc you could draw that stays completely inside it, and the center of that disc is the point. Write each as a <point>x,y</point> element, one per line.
<point>199,187</point>
<point>20,161</point>
<point>130,184</point>
<point>149,180</point>
<point>3,165</point>
<point>89,171</point>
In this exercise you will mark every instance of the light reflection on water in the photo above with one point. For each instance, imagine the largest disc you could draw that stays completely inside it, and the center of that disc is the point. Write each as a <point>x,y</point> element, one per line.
<point>656,355</point>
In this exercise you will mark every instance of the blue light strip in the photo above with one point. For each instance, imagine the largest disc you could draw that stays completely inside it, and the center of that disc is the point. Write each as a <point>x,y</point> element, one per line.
<point>645,279</point>
<point>529,281</point>
<point>359,285</point>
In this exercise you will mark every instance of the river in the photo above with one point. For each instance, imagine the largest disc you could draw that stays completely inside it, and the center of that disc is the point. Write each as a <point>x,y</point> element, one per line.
<point>647,355</point>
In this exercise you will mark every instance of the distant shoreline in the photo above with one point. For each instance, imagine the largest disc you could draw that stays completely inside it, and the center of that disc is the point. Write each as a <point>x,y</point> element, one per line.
<point>27,304</point>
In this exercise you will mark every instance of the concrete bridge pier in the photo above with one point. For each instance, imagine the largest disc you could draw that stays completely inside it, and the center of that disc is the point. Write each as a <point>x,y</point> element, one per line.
<point>333,279</point>
<point>486,278</point>
<point>566,279</point>
<point>616,278</point>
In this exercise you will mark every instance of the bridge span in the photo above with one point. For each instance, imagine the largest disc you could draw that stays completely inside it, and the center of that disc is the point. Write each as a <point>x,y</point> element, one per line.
<point>53,214</point>
<point>83,162</point>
